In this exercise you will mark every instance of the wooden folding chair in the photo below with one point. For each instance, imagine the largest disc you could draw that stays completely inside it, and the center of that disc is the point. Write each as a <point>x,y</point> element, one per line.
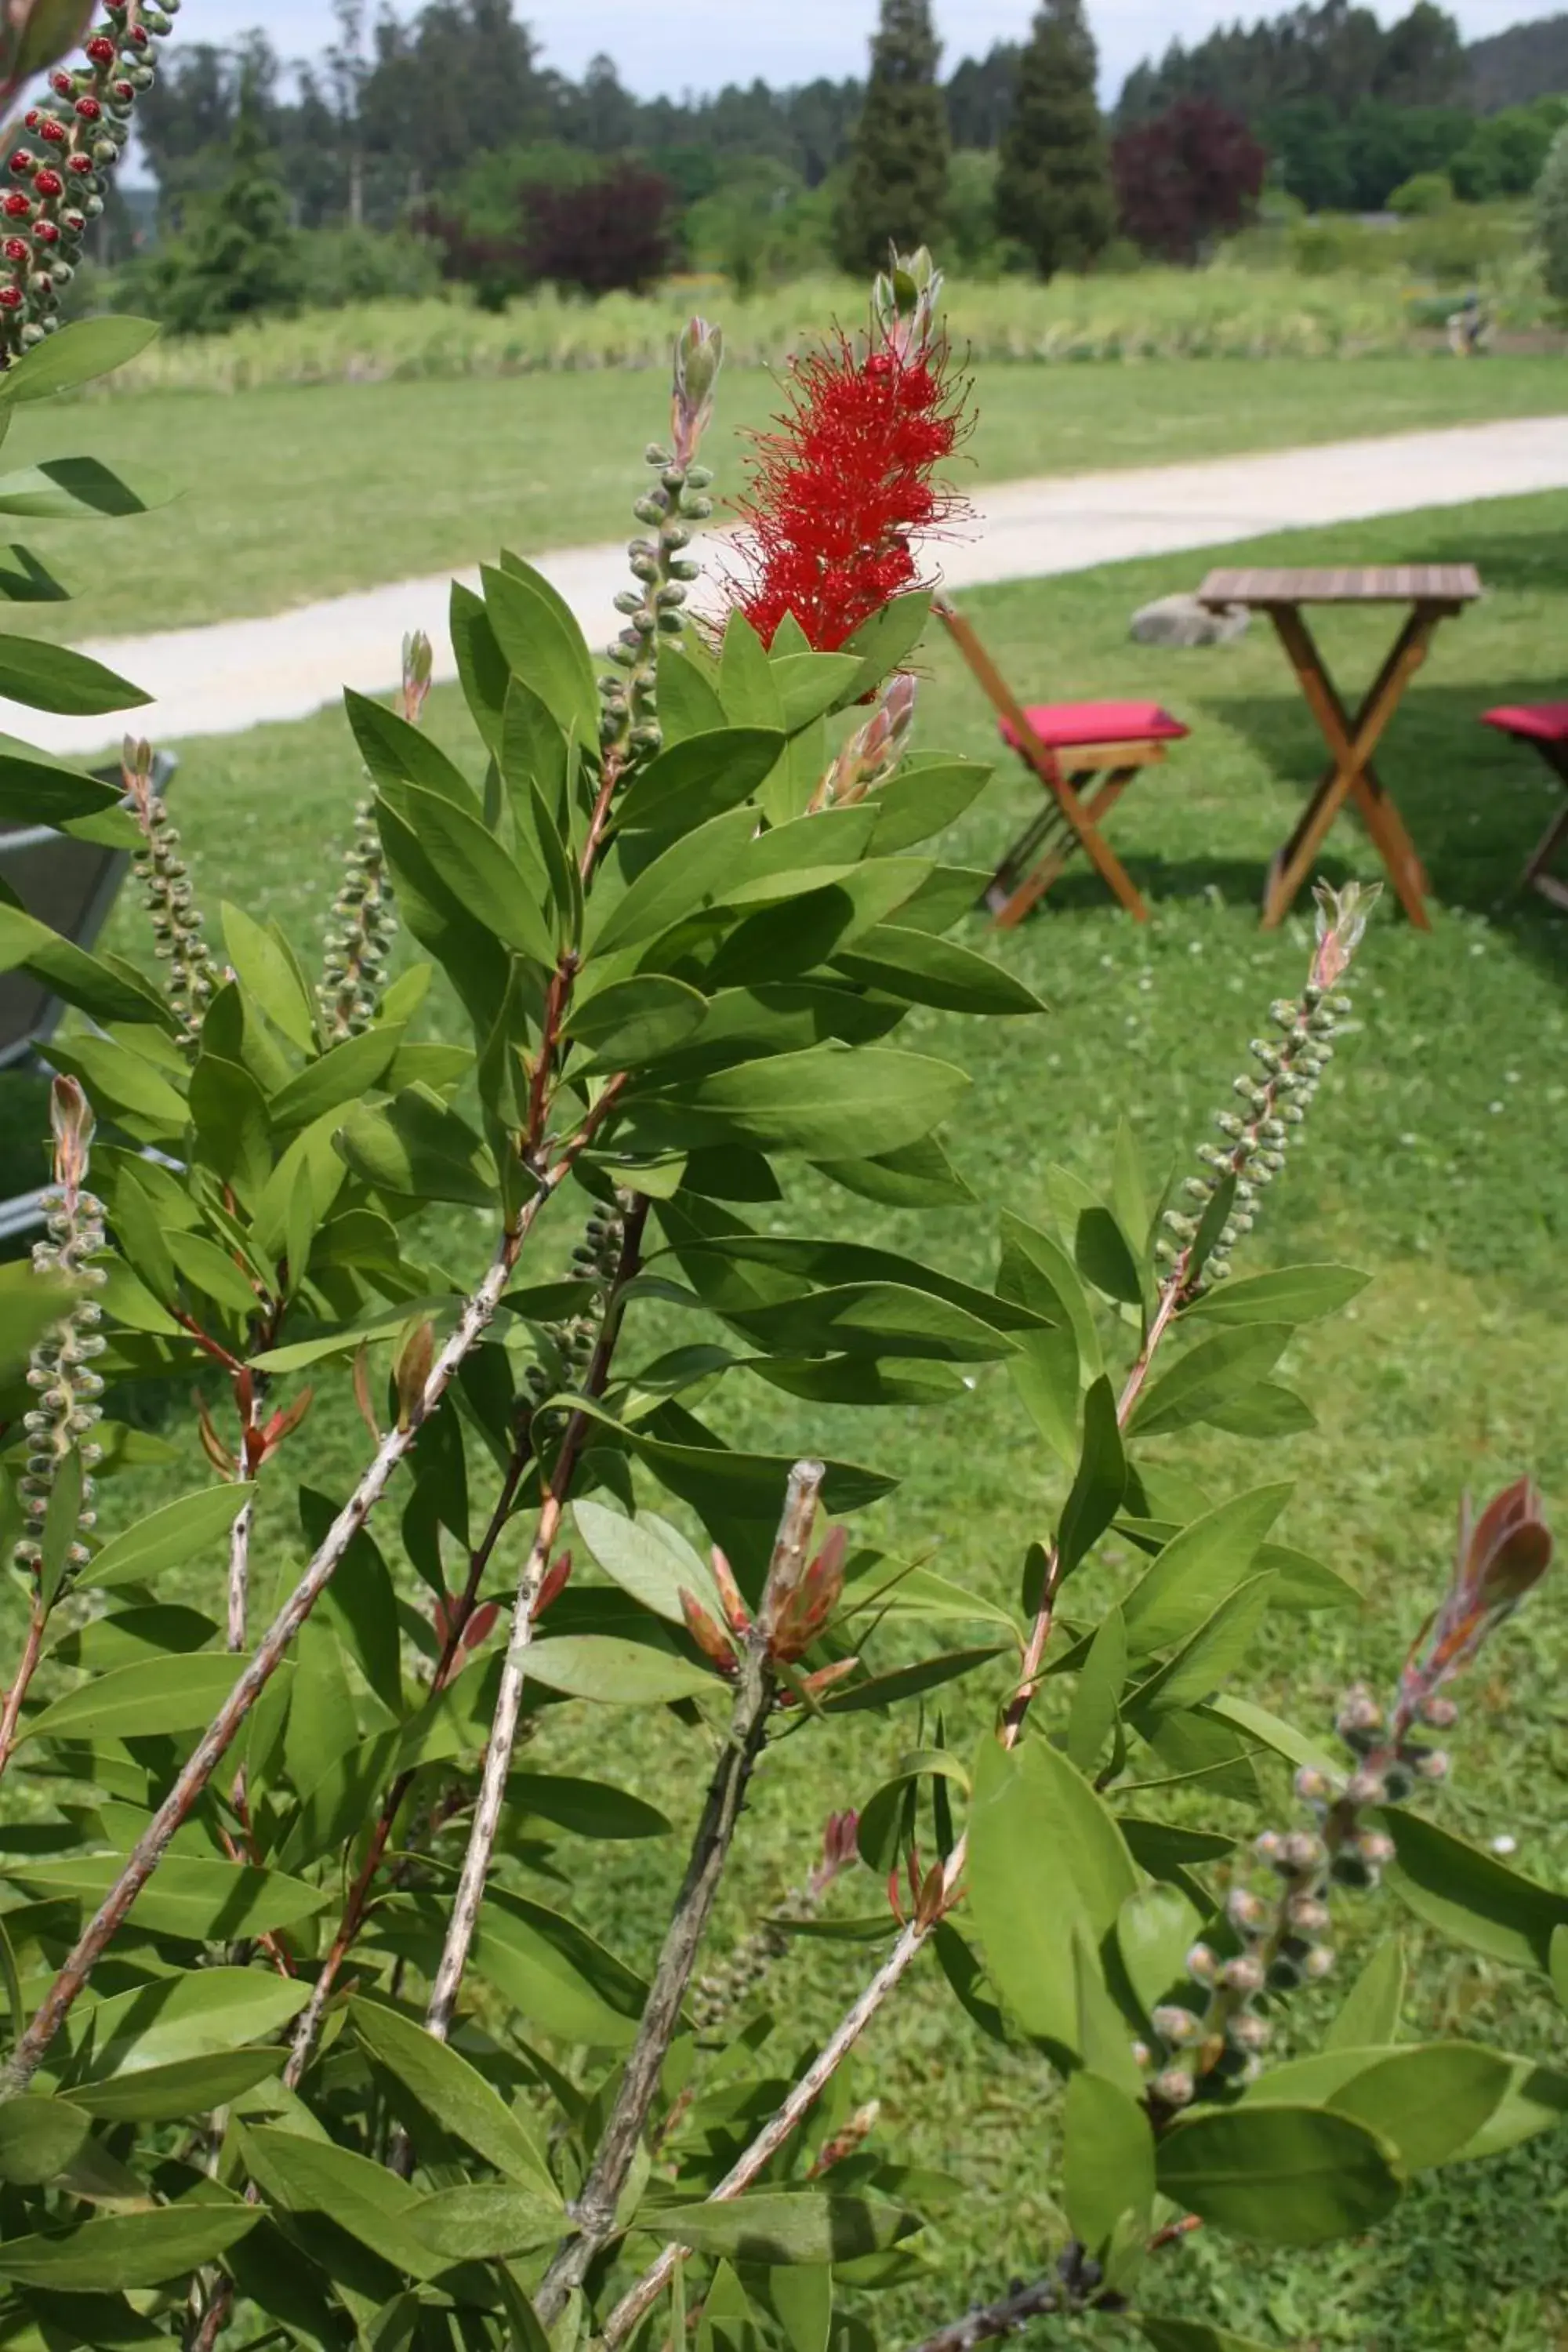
<point>1544,724</point>
<point>1085,755</point>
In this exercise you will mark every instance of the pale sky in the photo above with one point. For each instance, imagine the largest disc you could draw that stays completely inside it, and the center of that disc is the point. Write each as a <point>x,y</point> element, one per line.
<point>701,43</point>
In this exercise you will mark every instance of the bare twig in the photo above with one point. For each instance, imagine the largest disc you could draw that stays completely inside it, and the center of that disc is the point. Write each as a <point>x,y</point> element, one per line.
<point>26,1667</point>
<point>784,2122</point>
<point>756,1687</point>
<point>464,1921</point>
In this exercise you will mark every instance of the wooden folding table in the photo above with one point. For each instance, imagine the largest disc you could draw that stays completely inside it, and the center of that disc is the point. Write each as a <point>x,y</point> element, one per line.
<point>1434,592</point>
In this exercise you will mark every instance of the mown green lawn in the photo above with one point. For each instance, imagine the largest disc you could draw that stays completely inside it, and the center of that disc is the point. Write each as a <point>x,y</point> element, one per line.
<point>289,495</point>
<point>1435,1159</point>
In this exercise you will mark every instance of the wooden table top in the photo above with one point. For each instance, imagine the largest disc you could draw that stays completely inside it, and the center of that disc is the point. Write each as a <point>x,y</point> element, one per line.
<point>1392,583</point>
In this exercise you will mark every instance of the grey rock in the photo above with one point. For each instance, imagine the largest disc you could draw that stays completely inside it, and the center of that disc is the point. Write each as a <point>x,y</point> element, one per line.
<point>1183,621</point>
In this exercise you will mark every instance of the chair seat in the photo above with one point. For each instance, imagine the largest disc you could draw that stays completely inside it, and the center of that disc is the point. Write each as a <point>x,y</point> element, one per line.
<point>1062,724</point>
<point>1538,722</point>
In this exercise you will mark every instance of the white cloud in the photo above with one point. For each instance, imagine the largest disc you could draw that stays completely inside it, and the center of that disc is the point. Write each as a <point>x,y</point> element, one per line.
<point>700,44</point>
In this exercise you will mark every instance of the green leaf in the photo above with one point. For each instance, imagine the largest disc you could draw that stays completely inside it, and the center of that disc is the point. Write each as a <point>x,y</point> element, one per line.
<point>1163,1849</point>
<point>591,1808</point>
<point>53,677</point>
<point>1268,1410</point>
<point>909,1682</point>
<point>207,1902</point>
<point>128,2251</point>
<point>634,1021</point>
<point>1101,1481</point>
<point>543,1966</point>
<point>1368,2017</point>
<point>921,1176</point>
<point>1094,1702</point>
<point>542,643</point>
<point>618,1673</point>
<point>1302,1582</point>
<point>88,347</point>
<point>38,2137</point>
<point>1206,1661</point>
<point>1045,1860</point>
<point>92,986</point>
<point>213,1271</point>
<point>171,1537</point>
<point>824,1104</point>
<point>1428,2103</point>
<point>875,1319</point>
<point>1470,1895</point>
<point>187,2087</point>
<point>343,1075</point>
<point>270,973</point>
<point>453,2092</point>
<point>885,642</point>
<point>480,872</point>
<point>1156,1928</point>
<point>315,2176</point>
<point>1105,1257</point>
<point>484,2220</point>
<point>1103,2041</point>
<point>1296,1294</point>
<point>785,2226</point>
<point>155,1696</point>
<point>1558,1963</point>
<point>398,755</point>
<point>199,2014</point>
<point>699,778</point>
<point>1281,2176</point>
<point>1037,1270</point>
<point>690,876</point>
<point>926,970</point>
<point>1536,2100</point>
<point>811,684</point>
<point>35,789</point>
<point>80,489</point>
<point>687,703</point>
<point>1193,2335</point>
<point>1211,1372</point>
<point>415,1146</point>
<point>646,1558</point>
<point>926,796</point>
<point>1198,1569</point>
<point>1108,2158</point>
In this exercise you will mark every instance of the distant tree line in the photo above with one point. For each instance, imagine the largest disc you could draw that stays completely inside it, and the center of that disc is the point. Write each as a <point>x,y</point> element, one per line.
<point>441,142</point>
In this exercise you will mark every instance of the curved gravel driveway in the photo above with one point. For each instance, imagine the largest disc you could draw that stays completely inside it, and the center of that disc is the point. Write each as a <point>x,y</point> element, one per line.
<point>232,675</point>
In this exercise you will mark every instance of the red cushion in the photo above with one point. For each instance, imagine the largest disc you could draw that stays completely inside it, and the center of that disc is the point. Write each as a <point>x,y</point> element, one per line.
<point>1540,722</point>
<point>1063,724</point>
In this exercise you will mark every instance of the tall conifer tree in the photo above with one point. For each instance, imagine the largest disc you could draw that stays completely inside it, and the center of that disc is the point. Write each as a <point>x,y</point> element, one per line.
<point>898,165</point>
<point>1054,191</point>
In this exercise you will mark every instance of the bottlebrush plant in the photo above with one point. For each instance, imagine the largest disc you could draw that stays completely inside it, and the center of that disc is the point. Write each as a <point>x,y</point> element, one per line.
<point>307,2045</point>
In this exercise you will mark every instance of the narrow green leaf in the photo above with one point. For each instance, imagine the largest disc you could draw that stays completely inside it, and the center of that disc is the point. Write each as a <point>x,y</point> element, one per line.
<point>452,2091</point>
<point>1196,1570</point>
<point>926,970</point>
<point>616,1673</point>
<point>85,349</point>
<point>1156,1928</point>
<point>1428,2103</point>
<point>1094,1703</point>
<point>53,677</point>
<point>128,2251</point>
<point>38,2137</point>
<point>1101,1481</point>
<point>1470,1895</point>
<point>155,1696</point>
<point>205,1901</point>
<point>786,2226</point>
<point>1212,1371</point>
<point>1296,1294</point>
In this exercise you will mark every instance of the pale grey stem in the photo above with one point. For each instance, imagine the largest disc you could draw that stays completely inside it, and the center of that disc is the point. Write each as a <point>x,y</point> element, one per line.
<point>239,1575</point>
<point>786,2119</point>
<point>755,1690</point>
<point>471,1892</point>
<point>215,1742</point>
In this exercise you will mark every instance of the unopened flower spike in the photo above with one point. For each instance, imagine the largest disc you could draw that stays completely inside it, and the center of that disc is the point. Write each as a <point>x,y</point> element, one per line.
<point>872,753</point>
<point>660,565</point>
<point>418,661</point>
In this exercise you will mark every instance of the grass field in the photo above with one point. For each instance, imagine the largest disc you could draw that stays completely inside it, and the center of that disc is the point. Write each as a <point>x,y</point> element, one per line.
<point>1434,1161</point>
<point>288,495</point>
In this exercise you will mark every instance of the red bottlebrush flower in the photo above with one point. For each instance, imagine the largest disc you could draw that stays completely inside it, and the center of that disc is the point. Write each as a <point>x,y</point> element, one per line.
<point>53,131</point>
<point>49,183</point>
<point>21,162</point>
<point>43,231</point>
<point>15,249</point>
<point>16,205</point>
<point>101,49</point>
<point>88,109</point>
<point>80,164</point>
<point>845,485</point>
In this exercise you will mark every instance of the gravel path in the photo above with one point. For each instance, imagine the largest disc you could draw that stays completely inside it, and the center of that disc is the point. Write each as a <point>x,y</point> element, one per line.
<point>232,675</point>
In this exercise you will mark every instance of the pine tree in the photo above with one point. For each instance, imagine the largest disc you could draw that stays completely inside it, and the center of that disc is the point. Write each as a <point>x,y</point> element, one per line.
<point>897,164</point>
<point>1053,192</point>
<point>238,258</point>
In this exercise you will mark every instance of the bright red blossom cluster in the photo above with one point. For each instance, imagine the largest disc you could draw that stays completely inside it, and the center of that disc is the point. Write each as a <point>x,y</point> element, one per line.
<point>844,485</point>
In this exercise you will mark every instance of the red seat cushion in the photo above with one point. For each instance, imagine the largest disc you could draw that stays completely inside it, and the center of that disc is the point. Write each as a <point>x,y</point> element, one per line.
<point>1063,724</point>
<point>1540,722</point>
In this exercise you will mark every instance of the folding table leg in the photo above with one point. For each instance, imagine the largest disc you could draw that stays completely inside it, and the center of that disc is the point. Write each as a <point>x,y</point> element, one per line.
<point>1033,888</point>
<point>1352,744</point>
<point>1536,873</point>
